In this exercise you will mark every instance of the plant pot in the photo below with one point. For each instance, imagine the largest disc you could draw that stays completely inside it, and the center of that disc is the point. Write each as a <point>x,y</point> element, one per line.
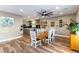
<point>74,42</point>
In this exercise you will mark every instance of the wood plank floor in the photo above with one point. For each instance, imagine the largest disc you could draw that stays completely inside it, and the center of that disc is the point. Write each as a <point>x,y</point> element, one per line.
<point>22,45</point>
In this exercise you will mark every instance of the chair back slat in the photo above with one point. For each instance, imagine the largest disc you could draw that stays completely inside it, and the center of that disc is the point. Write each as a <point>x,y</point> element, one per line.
<point>53,33</point>
<point>49,33</point>
<point>33,35</point>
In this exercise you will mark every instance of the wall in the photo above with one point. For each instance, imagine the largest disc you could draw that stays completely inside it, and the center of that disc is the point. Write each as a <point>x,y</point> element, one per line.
<point>78,16</point>
<point>13,31</point>
<point>66,20</point>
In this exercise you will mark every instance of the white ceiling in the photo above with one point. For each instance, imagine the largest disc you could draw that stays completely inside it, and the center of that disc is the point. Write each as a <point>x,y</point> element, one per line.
<point>30,10</point>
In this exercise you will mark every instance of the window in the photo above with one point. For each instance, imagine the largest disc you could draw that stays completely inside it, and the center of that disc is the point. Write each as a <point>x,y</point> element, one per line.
<point>60,23</point>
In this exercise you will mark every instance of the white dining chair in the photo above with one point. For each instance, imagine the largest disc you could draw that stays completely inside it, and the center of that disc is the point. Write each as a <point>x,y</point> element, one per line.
<point>48,40</point>
<point>42,29</point>
<point>34,40</point>
<point>38,30</point>
<point>53,34</point>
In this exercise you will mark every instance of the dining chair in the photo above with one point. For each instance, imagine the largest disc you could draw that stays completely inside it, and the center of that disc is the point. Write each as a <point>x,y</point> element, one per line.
<point>37,30</point>
<point>53,35</point>
<point>48,40</point>
<point>42,29</point>
<point>34,40</point>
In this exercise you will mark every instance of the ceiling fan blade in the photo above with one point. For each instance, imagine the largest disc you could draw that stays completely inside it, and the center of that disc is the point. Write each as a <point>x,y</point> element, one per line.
<point>50,13</point>
<point>39,13</point>
<point>45,13</point>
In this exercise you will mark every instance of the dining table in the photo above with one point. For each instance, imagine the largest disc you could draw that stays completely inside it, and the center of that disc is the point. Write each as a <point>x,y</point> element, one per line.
<point>42,35</point>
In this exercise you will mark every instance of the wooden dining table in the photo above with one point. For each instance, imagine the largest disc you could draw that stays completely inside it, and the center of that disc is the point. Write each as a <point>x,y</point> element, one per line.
<point>42,36</point>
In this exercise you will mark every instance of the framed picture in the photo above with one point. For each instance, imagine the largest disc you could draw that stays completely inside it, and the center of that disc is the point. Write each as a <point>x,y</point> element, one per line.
<point>45,22</point>
<point>6,21</point>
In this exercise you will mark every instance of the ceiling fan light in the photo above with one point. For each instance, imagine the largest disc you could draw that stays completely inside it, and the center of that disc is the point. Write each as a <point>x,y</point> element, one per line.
<point>43,16</point>
<point>21,10</point>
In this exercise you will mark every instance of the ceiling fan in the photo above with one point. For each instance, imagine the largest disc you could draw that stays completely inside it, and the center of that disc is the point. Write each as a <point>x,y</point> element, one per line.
<point>45,13</point>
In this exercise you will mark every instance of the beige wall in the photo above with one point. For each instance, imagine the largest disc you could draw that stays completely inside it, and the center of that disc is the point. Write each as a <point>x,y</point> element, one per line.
<point>78,16</point>
<point>66,20</point>
<point>13,31</point>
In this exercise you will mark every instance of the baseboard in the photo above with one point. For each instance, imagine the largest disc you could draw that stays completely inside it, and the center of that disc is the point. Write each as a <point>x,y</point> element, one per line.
<point>62,35</point>
<point>11,39</point>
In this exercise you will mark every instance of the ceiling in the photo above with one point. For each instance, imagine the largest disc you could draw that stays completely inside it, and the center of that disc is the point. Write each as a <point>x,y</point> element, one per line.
<point>31,10</point>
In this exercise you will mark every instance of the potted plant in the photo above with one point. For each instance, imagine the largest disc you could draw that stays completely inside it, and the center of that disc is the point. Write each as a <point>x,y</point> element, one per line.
<point>74,35</point>
<point>74,28</point>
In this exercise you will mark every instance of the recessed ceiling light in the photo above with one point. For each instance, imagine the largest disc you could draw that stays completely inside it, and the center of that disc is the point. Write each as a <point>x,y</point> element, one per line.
<point>28,16</point>
<point>61,13</point>
<point>24,17</point>
<point>21,10</point>
<point>57,7</point>
<point>36,18</point>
